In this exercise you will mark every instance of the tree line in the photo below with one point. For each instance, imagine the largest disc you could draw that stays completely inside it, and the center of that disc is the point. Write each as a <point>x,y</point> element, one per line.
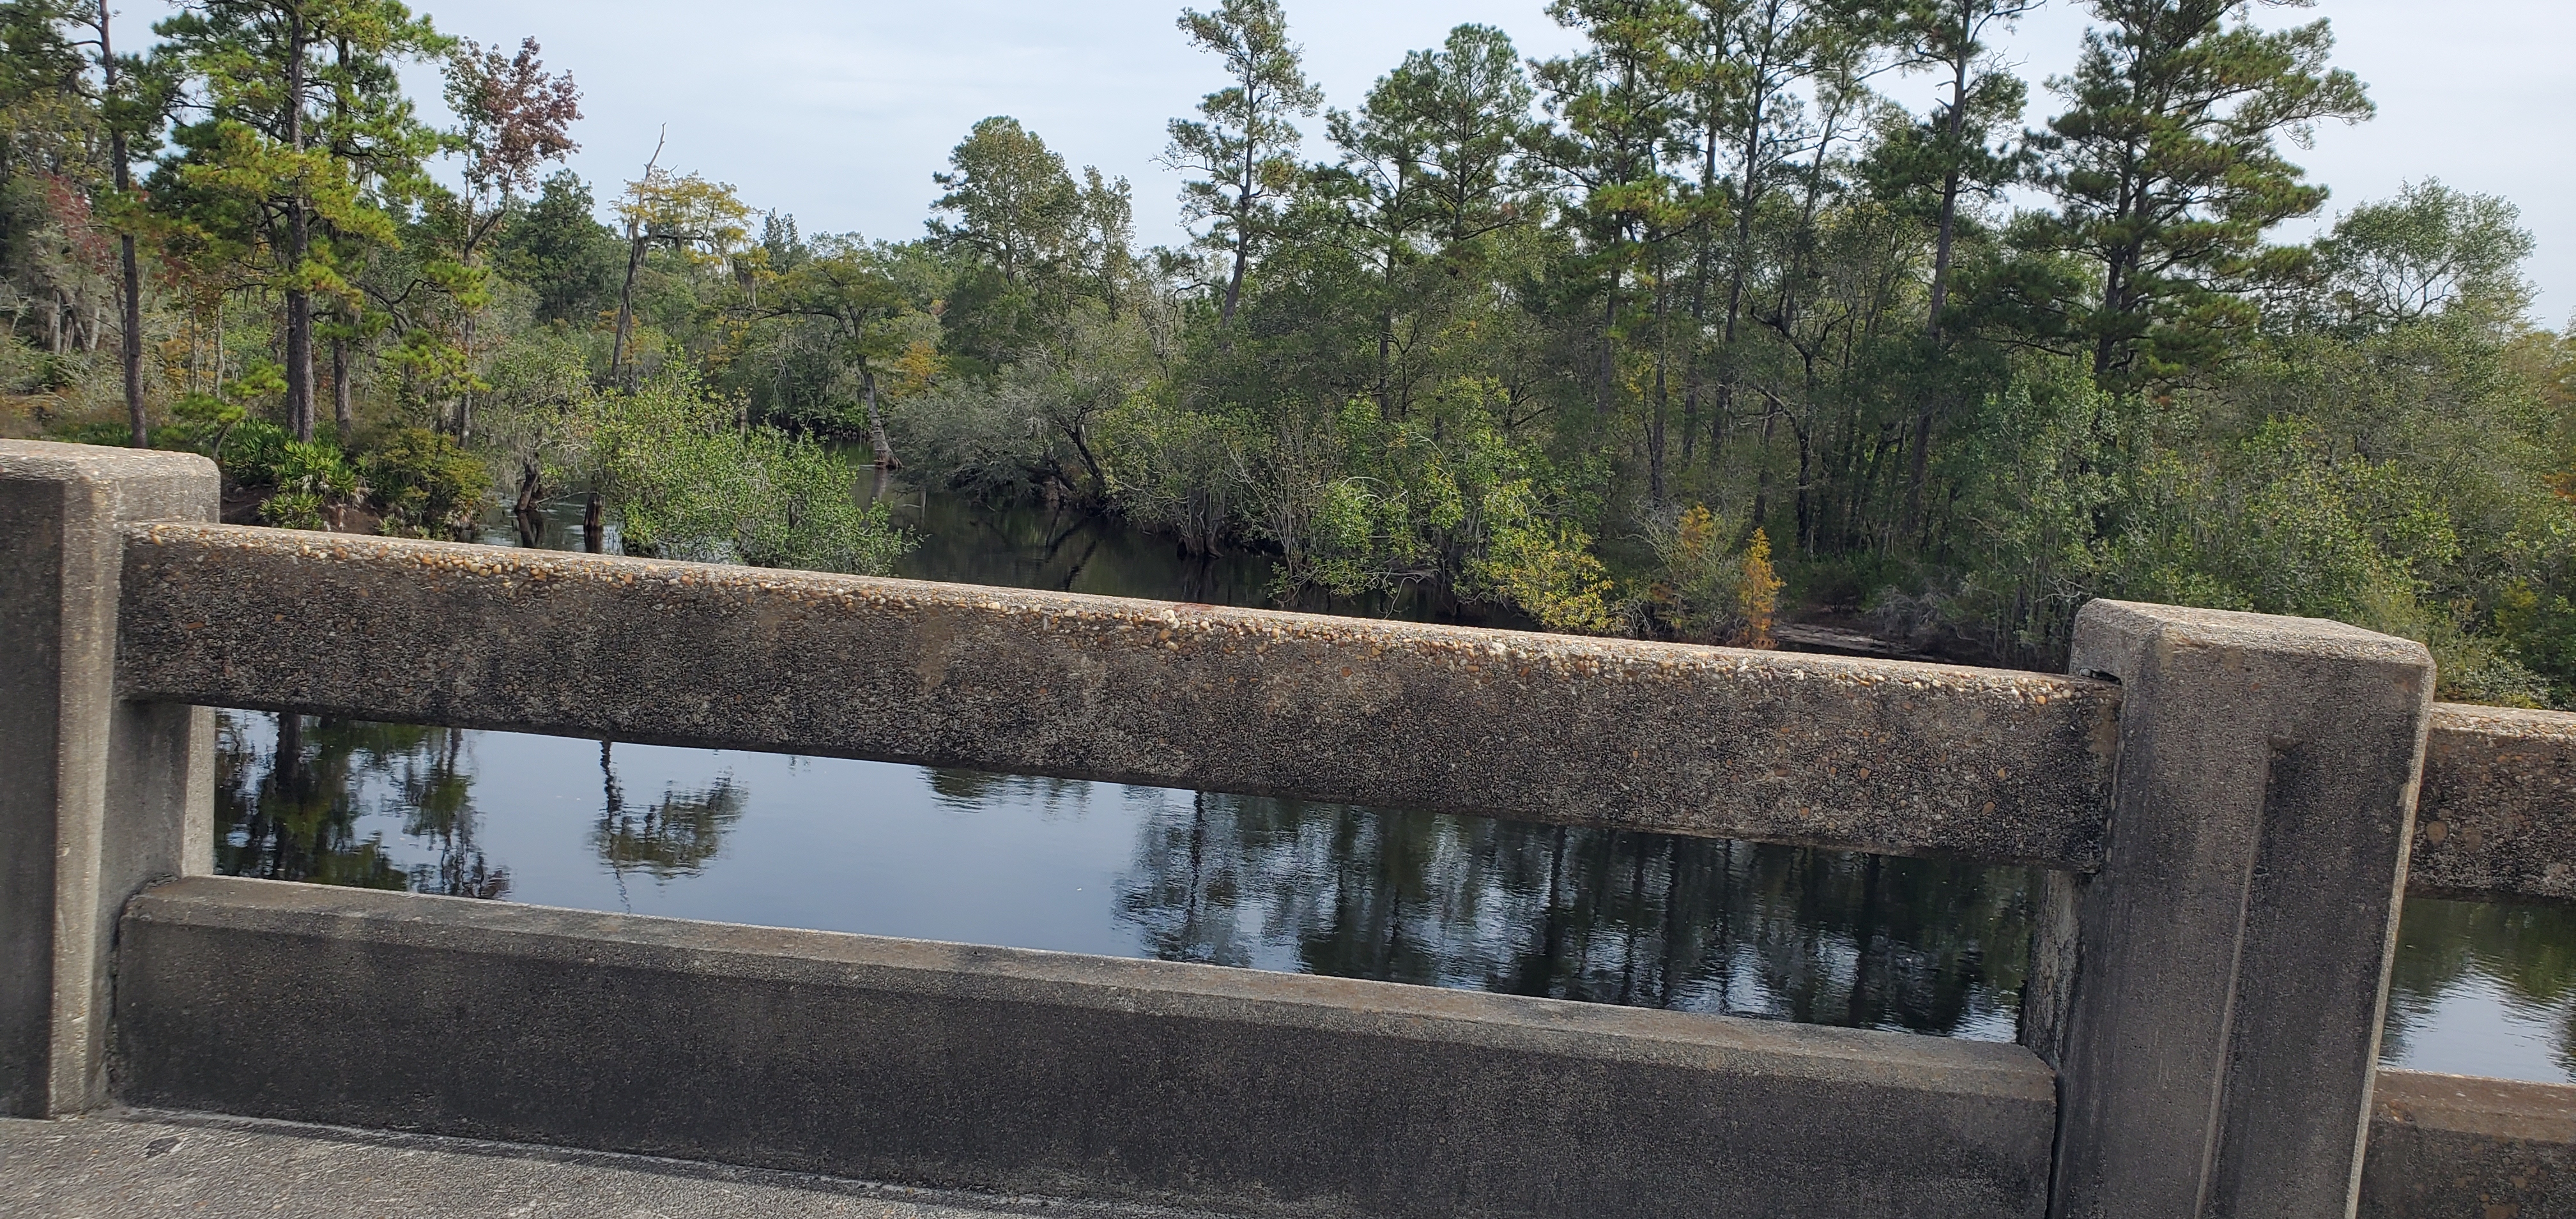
<point>1689,328</point>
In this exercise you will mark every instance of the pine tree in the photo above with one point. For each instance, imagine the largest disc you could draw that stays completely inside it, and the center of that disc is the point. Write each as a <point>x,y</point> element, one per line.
<point>298,137</point>
<point>1245,142</point>
<point>2168,172</point>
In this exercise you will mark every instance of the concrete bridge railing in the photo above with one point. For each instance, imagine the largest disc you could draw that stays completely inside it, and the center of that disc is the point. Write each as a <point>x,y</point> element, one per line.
<point>2229,808</point>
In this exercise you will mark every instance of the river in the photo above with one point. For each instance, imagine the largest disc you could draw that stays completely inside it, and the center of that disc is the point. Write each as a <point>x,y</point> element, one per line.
<point>1642,919</point>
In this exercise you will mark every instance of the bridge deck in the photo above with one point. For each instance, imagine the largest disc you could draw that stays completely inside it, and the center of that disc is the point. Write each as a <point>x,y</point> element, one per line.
<point>148,1165</point>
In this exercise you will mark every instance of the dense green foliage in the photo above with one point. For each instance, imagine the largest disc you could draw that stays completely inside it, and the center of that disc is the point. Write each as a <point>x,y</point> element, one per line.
<point>1666,337</point>
<point>697,486</point>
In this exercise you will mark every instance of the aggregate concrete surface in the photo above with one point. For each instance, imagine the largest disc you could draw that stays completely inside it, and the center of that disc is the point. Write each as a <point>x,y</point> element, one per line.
<point>2498,818</point>
<point>146,1165</point>
<point>1874,755</point>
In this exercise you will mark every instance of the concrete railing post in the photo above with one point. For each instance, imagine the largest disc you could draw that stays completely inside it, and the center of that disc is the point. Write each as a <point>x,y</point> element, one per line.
<point>2212,997</point>
<point>97,797</point>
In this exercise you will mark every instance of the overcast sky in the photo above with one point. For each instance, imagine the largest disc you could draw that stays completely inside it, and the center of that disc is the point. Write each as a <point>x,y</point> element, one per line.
<point>840,110</point>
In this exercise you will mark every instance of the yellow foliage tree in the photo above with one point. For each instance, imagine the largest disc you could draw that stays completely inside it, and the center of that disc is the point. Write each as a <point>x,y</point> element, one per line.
<point>915,369</point>
<point>1548,570</point>
<point>1757,596</point>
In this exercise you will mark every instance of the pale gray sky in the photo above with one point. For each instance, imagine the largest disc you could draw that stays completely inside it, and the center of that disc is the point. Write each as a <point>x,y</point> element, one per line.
<point>840,110</point>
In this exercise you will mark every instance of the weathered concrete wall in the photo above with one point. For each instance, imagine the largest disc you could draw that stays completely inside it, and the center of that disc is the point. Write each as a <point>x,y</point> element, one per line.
<point>1873,755</point>
<point>96,796</point>
<point>2498,817</point>
<point>1049,1073</point>
<point>2455,1147</point>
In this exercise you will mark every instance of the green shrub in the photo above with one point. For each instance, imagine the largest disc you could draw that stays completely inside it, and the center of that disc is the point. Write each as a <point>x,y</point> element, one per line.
<point>689,483</point>
<point>313,480</point>
<point>113,433</point>
<point>427,485</point>
<point>254,454</point>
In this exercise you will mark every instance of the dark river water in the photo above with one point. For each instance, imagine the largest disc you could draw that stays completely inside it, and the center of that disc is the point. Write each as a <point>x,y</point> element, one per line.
<point>1641,919</point>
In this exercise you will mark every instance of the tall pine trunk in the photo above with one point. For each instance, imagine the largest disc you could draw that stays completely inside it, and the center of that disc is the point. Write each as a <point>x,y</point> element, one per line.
<point>130,302</point>
<point>1942,253</point>
<point>465,397</point>
<point>343,410</point>
<point>1699,314</point>
<point>1608,371</point>
<point>299,301</point>
<point>1242,233</point>
<point>1749,194</point>
<point>130,348</point>
<point>1663,397</point>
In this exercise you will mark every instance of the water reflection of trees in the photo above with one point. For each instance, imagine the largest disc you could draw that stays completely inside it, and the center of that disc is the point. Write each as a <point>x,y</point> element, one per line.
<point>1608,917</point>
<point>288,802</point>
<point>1639,919</point>
<point>976,791</point>
<point>2527,951</point>
<point>673,837</point>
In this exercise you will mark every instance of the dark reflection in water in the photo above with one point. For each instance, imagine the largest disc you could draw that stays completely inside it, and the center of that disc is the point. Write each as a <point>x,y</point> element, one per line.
<point>1638,919</point>
<point>670,838</point>
<point>1642,920</point>
<point>291,810</point>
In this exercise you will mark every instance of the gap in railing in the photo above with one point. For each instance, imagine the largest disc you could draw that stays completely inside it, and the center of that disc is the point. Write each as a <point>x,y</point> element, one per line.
<point>1469,902</point>
<point>1930,946</point>
<point>2484,989</point>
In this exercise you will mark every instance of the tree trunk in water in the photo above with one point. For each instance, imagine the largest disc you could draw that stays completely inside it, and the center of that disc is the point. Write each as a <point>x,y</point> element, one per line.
<point>594,526</point>
<point>524,513</point>
<point>626,309</point>
<point>876,425</point>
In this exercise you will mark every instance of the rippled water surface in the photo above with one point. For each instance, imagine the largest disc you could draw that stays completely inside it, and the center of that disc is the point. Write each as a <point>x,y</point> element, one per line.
<point>1629,918</point>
